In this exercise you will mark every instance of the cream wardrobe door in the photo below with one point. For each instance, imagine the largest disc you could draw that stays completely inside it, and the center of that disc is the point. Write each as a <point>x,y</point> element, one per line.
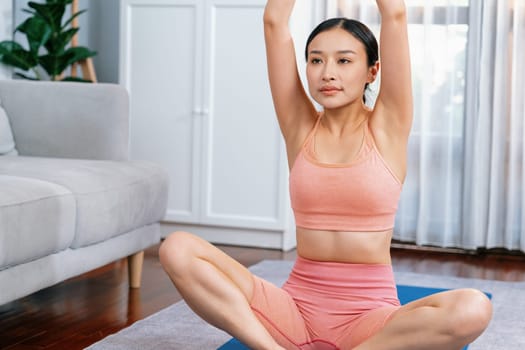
<point>244,173</point>
<point>160,64</point>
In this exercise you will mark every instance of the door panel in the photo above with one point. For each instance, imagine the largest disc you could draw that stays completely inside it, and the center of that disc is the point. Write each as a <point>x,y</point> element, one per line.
<point>243,150</point>
<point>162,73</point>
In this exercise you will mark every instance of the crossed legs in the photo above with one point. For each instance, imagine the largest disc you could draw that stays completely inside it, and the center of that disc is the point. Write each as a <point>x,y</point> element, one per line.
<point>219,290</point>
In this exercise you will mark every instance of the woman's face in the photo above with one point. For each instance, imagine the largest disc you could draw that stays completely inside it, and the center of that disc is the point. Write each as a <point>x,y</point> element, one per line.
<point>337,68</point>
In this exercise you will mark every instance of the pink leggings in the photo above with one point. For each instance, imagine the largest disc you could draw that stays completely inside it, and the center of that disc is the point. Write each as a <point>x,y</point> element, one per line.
<point>326,305</point>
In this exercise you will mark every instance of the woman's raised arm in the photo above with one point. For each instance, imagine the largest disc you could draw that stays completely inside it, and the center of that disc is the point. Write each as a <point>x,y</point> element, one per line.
<point>395,96</point>
<point>292,105</point>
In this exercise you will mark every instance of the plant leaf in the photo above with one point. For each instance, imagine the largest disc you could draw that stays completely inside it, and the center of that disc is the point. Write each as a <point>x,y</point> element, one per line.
<point>50,12</point>
<point>56,64</point>
<point>78,53</point>
<point>63,2</point>
<point>25,76</point>
<point>13,54</point>
<point>29,11</point>
<point>72,18</point>
<point>37,32</point>
<point>51,64</point>
<point>57,43</point>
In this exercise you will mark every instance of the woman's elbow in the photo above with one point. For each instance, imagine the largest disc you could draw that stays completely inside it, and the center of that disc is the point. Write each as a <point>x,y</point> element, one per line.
<point>270,19</point>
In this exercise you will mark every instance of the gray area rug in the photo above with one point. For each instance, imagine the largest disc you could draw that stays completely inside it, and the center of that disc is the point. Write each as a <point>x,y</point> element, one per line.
<point>177,327</point>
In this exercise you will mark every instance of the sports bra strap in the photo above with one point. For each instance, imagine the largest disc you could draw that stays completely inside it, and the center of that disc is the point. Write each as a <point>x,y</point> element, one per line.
<point>312,132</point>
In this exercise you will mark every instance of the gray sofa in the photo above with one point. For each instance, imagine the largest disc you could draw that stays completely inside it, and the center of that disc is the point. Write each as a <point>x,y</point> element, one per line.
<point>70,199</point>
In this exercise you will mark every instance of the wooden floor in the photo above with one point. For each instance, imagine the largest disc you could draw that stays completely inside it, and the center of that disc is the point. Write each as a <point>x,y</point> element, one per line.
<point>83,310</point>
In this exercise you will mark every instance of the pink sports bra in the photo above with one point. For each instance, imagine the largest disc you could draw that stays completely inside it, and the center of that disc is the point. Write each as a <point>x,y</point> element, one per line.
<point>360,196</point>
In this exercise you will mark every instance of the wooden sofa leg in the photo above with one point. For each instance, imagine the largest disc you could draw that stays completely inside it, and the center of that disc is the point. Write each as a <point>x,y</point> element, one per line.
<point>135,269</point>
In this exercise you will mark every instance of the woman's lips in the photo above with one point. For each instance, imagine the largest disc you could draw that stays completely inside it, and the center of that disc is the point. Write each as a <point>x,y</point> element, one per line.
<point>329,90</point>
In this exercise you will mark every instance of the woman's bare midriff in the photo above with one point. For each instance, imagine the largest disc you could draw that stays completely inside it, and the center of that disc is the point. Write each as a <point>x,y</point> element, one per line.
<point>349,247</point>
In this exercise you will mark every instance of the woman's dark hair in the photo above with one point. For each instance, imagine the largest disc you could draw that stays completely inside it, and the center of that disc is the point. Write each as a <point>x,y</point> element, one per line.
<point>359,30</point>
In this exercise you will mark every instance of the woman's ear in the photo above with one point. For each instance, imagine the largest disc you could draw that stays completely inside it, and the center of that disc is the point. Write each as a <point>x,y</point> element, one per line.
<point>372,72</point>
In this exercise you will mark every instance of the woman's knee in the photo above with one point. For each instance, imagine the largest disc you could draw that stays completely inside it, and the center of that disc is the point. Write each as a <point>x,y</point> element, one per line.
<point>176,250</point>
<point>470,313</point>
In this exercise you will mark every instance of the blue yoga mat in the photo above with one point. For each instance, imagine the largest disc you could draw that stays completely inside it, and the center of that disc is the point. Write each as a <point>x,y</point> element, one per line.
<point>406,294</point>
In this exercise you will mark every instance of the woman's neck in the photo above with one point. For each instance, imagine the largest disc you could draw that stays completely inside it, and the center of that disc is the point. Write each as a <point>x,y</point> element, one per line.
<point>347,119</point>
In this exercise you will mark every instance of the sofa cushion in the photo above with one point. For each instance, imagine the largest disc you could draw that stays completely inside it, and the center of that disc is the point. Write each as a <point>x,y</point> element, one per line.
<point>112,197</point>
<point>7,142</point>
<point>37,218</point>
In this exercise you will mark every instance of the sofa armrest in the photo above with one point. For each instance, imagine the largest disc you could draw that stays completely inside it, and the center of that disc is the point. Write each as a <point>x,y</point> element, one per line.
<point>68,119</point>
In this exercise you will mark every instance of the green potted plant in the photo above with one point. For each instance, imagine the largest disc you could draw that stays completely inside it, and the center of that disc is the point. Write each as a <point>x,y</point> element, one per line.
<point>48,37</point>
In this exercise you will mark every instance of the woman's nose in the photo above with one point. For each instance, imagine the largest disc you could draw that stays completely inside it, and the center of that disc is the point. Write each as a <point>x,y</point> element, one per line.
<point>328,72</point>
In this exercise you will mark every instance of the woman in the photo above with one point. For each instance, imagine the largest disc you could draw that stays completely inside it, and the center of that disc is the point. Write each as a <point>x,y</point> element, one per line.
<point>347,165</point>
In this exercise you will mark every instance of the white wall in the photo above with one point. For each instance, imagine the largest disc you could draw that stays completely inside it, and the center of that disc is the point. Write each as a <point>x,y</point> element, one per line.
<point>6,28</point>
<point>103,36</point>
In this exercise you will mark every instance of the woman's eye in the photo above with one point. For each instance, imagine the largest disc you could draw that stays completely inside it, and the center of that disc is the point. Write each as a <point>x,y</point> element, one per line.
<point>315,60</point>
<point>344,60</point>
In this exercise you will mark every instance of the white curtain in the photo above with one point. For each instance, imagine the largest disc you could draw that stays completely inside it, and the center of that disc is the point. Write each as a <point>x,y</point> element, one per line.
<point>494,201</point>
<point>466,166</point>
